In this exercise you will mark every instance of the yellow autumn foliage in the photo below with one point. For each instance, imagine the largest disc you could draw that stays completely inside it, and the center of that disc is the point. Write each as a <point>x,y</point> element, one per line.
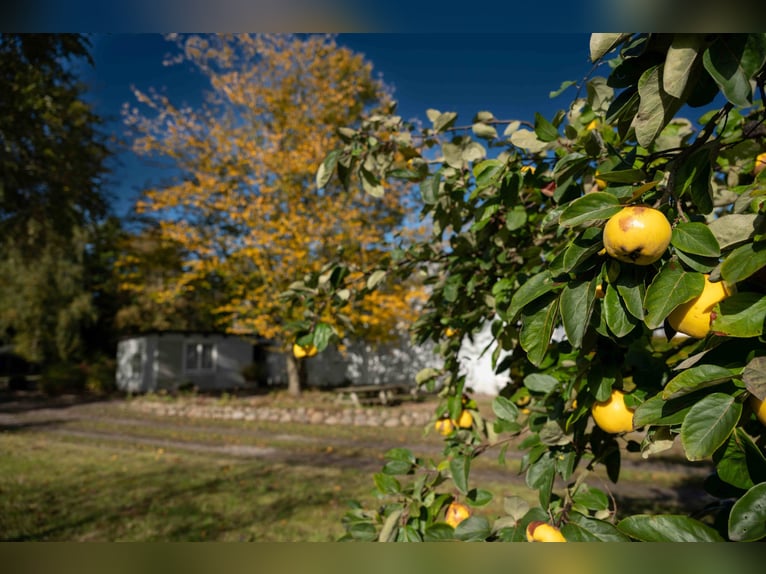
<point>245,207</point>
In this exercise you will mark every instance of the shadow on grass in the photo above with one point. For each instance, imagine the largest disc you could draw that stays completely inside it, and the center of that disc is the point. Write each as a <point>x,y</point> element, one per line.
<point>174,504</point>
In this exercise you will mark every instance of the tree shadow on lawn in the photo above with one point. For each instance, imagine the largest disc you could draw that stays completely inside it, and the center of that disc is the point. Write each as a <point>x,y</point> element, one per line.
<point>169,505</point>
<point>16,402</point>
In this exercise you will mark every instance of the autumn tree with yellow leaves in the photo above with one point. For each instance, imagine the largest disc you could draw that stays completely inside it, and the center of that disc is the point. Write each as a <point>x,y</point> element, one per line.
<point>244,206</point>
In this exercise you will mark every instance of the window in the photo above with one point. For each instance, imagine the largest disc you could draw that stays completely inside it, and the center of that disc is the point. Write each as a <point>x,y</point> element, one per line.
<point>199,357</point>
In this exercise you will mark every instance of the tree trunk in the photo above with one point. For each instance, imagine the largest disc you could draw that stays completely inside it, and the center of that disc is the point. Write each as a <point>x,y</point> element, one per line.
<point>296,375</point>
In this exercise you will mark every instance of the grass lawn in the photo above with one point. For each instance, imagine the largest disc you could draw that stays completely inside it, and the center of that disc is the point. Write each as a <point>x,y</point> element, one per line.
<point>115,474</point>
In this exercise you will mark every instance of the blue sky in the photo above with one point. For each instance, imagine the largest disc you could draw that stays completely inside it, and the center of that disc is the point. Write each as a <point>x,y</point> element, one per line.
<point>510,75</point>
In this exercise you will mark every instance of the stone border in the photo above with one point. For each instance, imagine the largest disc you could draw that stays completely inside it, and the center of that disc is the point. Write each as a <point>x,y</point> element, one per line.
<point>389,417</point>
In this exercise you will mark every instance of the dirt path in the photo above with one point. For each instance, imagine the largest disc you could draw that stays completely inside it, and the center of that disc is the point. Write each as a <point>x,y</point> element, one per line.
<point>58,418</point>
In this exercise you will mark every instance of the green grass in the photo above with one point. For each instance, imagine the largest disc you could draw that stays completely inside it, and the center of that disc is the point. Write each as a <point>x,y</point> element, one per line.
<point>54,490</point>
<point>116,474</point>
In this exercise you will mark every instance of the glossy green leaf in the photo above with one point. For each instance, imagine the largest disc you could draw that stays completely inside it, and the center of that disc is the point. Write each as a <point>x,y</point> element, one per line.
<point>732,60</point>
<point>540,477</point>
<point>534,288</point>
<point>537,327</point>
<point>693,177</point>
<point>540,382</point>
<point>743,262</point>
<point>658,411</point>
<point>695,238</point>
<point>591,498</point>
<point>671,287</point>
<point>619,321</point>
<point>747,519</point>
<point>741,315</point>
<point>708,424</point>
<point>739,461</point>
<point>667,528</point>
<point>754,377</point>
<point>630,286</point>
<point>623,176</point>
<point>460,467</point>
<point>572,165</point>
<point>735,228</point>
<point>544,129</point>
<point>386,483</point>
<point>581,528</point>
<point>327,168</point>
<point>439,532</point>
<point>595,206</point>
<point>576,306</point>
<point>504,409</point>
<point>586,244</point>
<point>602,43</point>
<point>696,378</point>
<point>680,60</point>
<point>478,497</point>
<point>655,107</point>
<point>473,529</point>
<point>323,334</point>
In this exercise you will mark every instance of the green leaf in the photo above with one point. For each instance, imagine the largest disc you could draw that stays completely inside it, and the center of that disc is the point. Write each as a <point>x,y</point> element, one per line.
<point>655,108</point>
<point>537,328</point>
<point>576,306</point>
<point>400,454</point>
<point>460,467</point>
<point>370,183</point>
<point>484,131</point>
<point>658,411</point>
<point>429,188</point>
<point>671,287</point>
<point>326,168</point>
<point>323,334</point>
<point>375,278</point>
<point>540,476</point>
<point>630,286</point>
<point>544,129</point>
<point>515,507</point>
<point>667,528</point>
<point>754,377</point>
<point>439,532</point>
<point>625,176</point>
<point>528,140</point>
<point>591,498</point>
<point>386,483</point>
<point>571,166</point>
<point>388,531</point>
<point>397,467</point>
<point>747,519</point>
<point>540,383</point>
<point>619,321</point>
<point>535,287</point>
<point>473,529</point>
<point>564,86</point>
<point>504,409</point>
<point>581,528</point>
<point>741,315</point>
<point>696,378</point>
<point>732,60</point>
<point>695,238</point>
<point>364,531</point>
<point>516,218</point>
<point>582,248</point>
<point>735,228</point>
<point>478,497</point>
<point>694,176</point>
<point>601,44</point>
<point>708,424</point>
<point>680,60</point>
<point>426,374</point>
<point>594,206</point>
<point>743,262</point>
<point>739,461</point>
<point>444,121</point>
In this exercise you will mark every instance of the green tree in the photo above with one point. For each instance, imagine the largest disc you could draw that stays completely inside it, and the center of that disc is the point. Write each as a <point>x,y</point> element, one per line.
<point>521,242</point>
<point>52,165</point>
